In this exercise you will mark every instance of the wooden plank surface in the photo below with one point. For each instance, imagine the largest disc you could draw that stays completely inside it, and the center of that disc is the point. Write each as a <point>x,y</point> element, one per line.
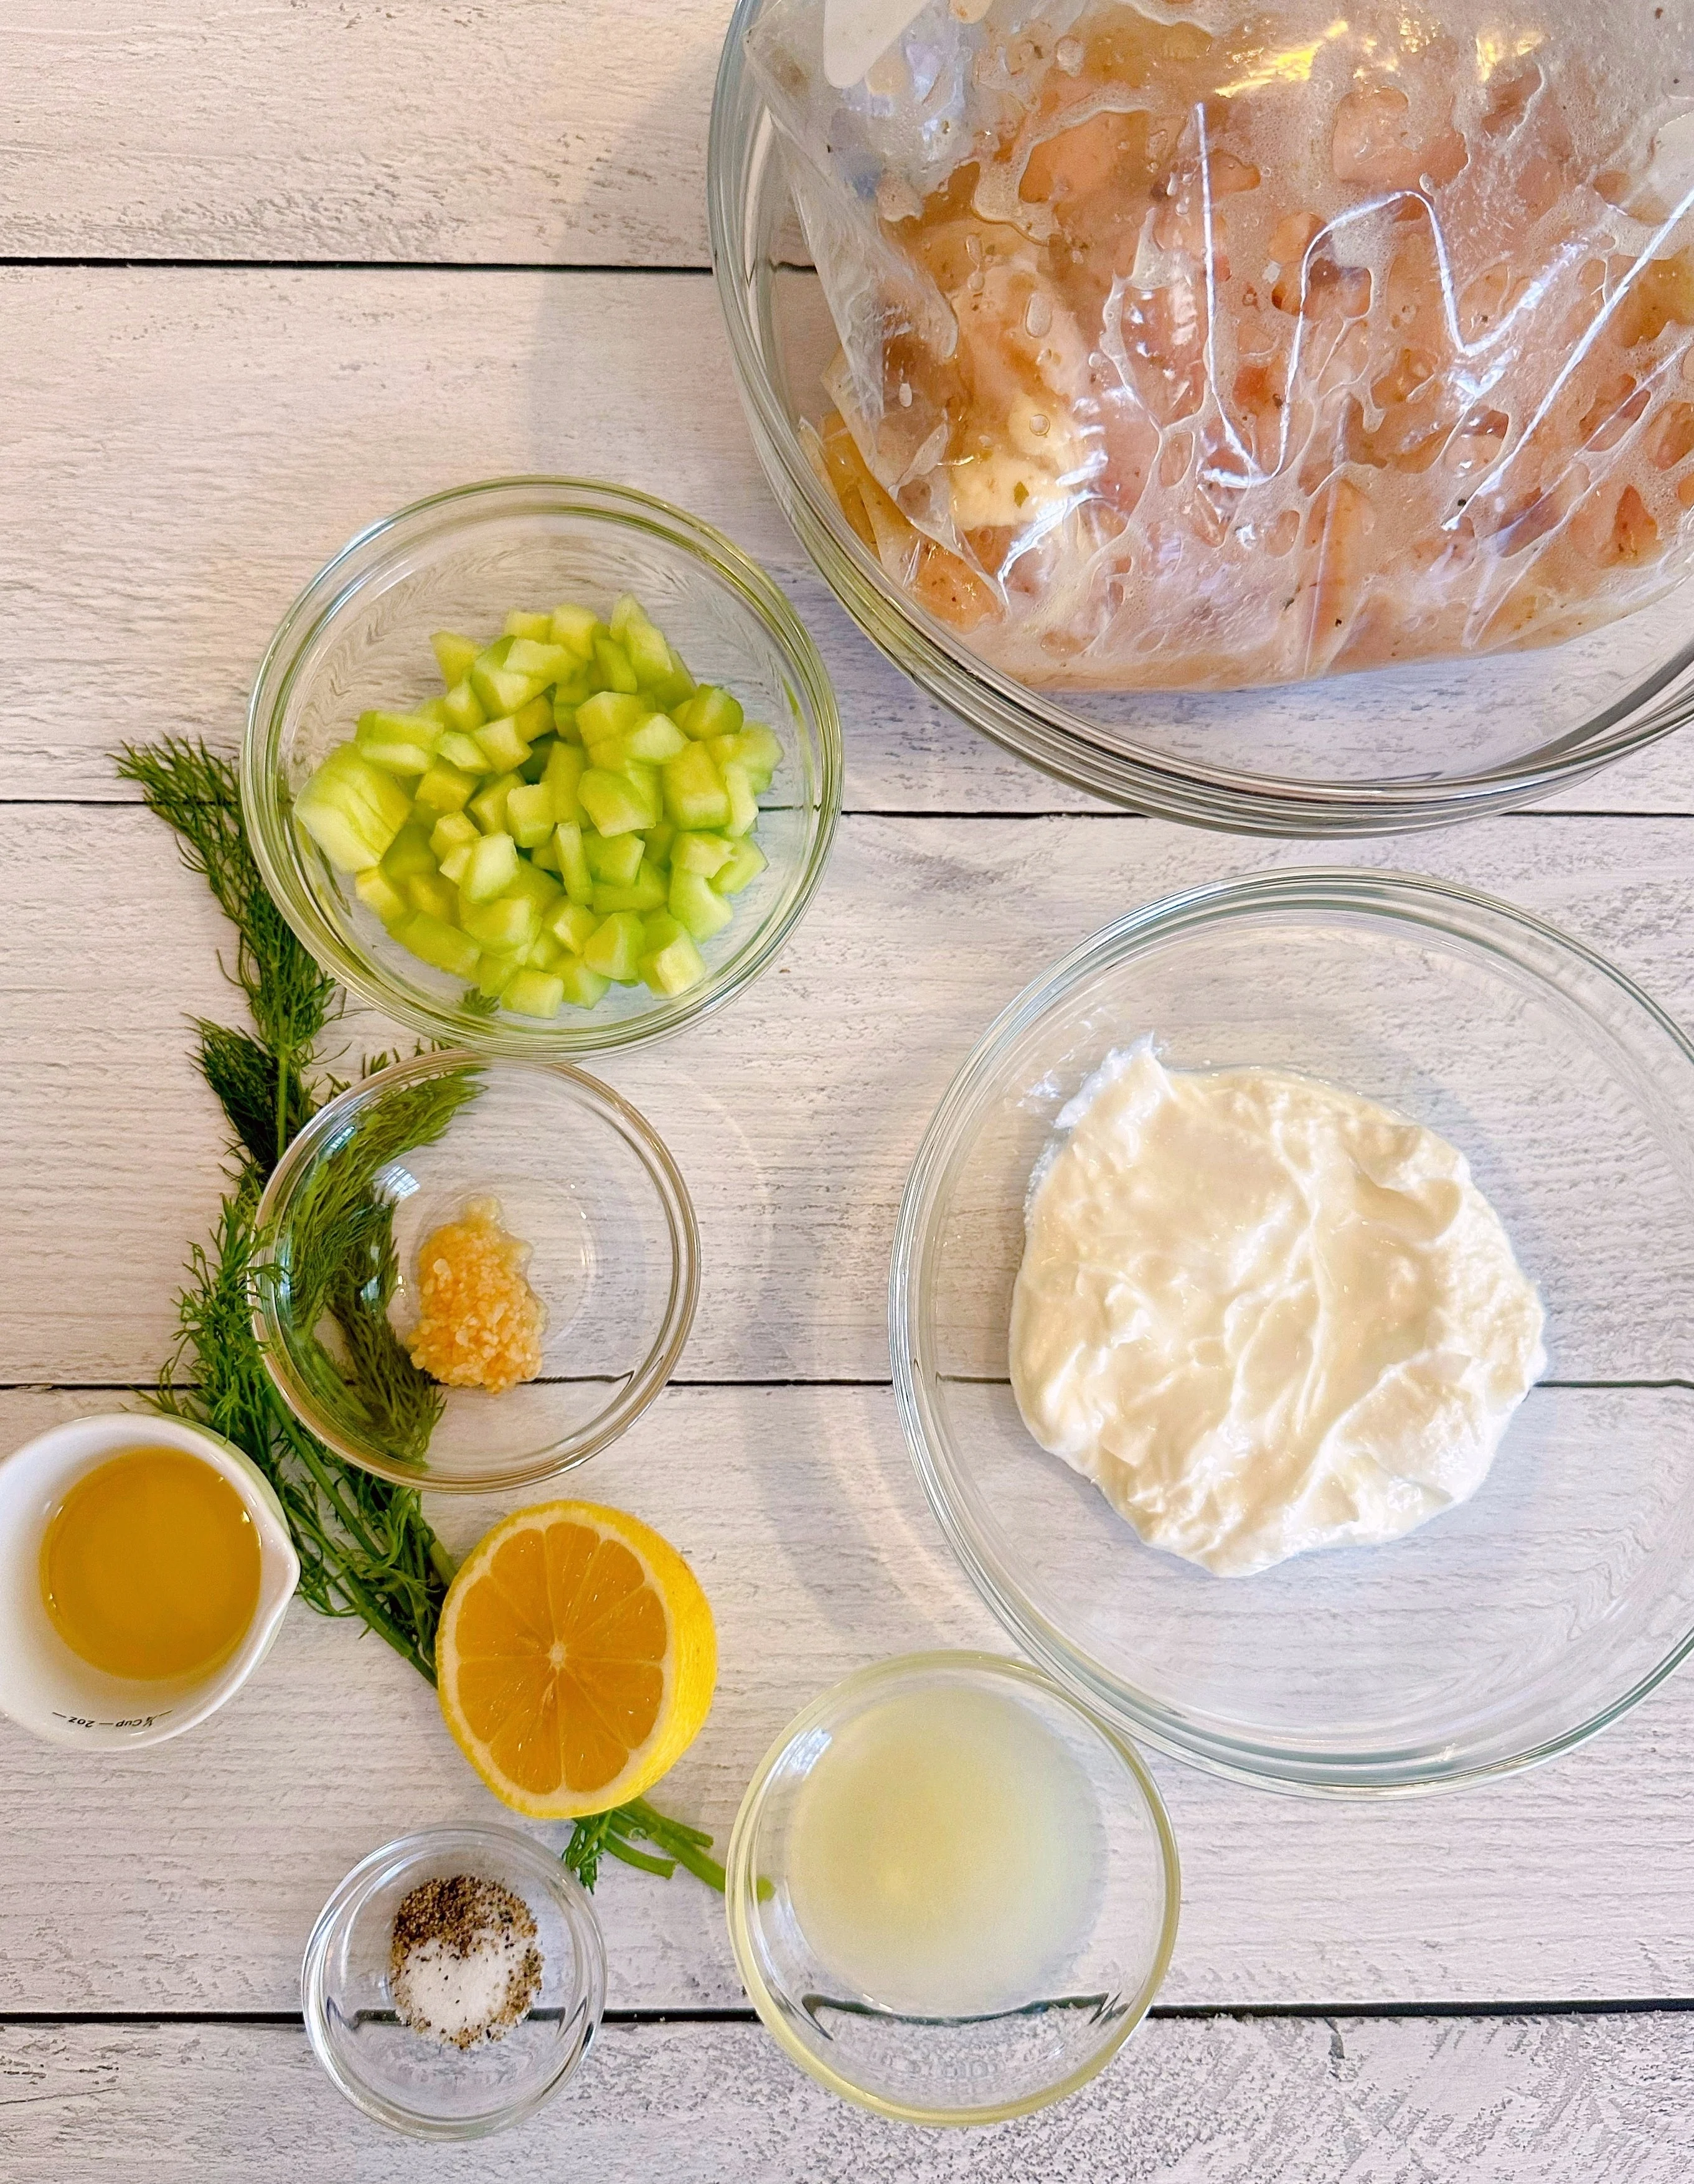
<point>187,1878</point>
<point>1217,2101</point>
<point>180,530</point>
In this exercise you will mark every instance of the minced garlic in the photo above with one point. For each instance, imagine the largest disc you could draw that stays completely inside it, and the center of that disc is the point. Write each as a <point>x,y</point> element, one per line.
<point>480,1322</point>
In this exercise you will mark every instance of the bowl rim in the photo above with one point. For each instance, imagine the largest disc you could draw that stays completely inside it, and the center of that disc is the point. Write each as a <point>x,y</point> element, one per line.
<point>342,579</point>
<point>505,1846</point>
<point>1448,907</point>
<point>1046,734</point>
<point>740,1883</point>
<point>637,1393</point>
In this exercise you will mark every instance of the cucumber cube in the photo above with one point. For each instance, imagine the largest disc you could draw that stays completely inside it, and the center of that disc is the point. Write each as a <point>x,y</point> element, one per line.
<point>488,806</point>
<point>582,987</point>
<point>614,948</point>
<point>534,994</point>
<point>710,711</point>
<point>543,662</point>
<point>697,906</point>
<point>645,892</point>
<point>743,804</point>
<point>502,744</point>
<point>539,627</point>
<point>655,739</point>
<point>618,860</point>
<point>573,863</point>
<point>431,893</point>
<point>673,968</point>
<point>410,851</point>
<point>379,894</point>
<point>445,788</point>
<point>746,861</point>
<point>529,814</point>
<point>352,810</point>
<point>612,666</point>
<point>572,924</point>
<point>608,715</point>
<point>695,797</point>
<point>564,765</point>
<point>461,749</point>
<point>576,628</point>
<point>455,656</point>
<point>400,743</point>
<point>456,863</point>
<point>493,867</point>
<point>614,802</point>
<point>705,853</point>
<point>508,923</point>
<point>436,942</point>
<point>463,708</point>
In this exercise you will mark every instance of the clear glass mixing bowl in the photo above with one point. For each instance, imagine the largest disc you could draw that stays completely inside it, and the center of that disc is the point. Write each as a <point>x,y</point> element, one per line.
<point>1508,1629</point>
<point>1379,753</point>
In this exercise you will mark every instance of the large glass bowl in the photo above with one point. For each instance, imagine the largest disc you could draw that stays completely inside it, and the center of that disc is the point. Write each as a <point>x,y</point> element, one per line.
<point>358,637</point>
<point>990,2060</point>
<point>1374,753</point>
<point>578,1175</point>
<point>1509,1628</point>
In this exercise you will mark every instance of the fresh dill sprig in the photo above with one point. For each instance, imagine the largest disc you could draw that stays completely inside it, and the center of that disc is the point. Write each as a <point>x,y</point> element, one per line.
<point>365,1547</point>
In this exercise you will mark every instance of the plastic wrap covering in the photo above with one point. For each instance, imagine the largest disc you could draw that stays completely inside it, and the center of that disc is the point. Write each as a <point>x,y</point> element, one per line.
<point>1191,347</point>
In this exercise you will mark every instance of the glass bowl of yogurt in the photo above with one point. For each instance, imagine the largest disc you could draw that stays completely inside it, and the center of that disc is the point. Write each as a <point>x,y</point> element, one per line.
<point>1479,1554</point>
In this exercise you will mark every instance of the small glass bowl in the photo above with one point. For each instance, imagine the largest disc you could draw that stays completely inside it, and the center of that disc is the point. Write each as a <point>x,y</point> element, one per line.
<point>400,2077</point>
<point>1510,1627</point>
<point>1024,2053</point>
<point>358,637</point>
<point>615,1258</point>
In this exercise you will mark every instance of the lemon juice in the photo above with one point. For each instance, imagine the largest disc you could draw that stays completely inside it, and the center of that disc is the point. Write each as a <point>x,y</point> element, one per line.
<point>150,1567</point>
<point>945,1854</point>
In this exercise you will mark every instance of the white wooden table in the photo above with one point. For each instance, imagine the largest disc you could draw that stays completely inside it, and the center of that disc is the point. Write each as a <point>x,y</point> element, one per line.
<point>267,272</point>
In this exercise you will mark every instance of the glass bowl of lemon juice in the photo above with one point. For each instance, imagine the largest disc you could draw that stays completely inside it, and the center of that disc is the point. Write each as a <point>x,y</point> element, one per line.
<point>952,1891</point>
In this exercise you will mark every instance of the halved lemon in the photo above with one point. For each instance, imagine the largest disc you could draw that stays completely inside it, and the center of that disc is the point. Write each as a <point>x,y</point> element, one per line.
<point>576,1656</point>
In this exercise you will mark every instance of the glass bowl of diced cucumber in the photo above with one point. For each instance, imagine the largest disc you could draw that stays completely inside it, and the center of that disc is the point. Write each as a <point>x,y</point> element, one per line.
<point>542,765</point>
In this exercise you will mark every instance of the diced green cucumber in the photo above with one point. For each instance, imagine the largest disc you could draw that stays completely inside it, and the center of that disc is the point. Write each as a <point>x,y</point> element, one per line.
<point>695,905</point>
<point>695,797</point>
<point>493,867</point>
<point>399,743</point>
<point>434,895</point>
<point>379,894</point>
<point>711,711</point>
<point>614,802</point>
<point>453,831</point>
<point>445,788</point>
<point>576,628</point>
<point>489,805</point>
<point>529,814</point>
<point>457,862</point>
<point>612,667</point>
<point>463,708</point>
<point>502,744</point>
<point>410,851</point>
<point>573,863</point>
<point>705,853</point>
<point>572,924</point>
<point>462,750</point>
<point>608,715</point>
<point>675,965</point>
<point>614,948</point>
<point>455,656</point>
<point>645,892</point>
<point>352,810</point>
<point>439,943</point>
<point>537,625</point>
<point>616,857</point>
<point>582,987</point>
<point>746,861</point>
<point>534,994</point>
<point>743,804</point>
<point>509,923</point>
<point>564,765</point>
<point>655,739</point>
